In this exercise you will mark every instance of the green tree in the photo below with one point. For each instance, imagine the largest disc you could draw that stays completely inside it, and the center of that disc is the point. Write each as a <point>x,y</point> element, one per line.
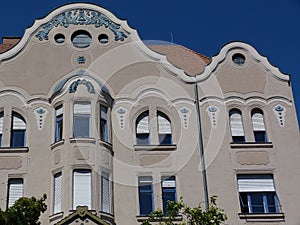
<point>190,216</point>
<point>25,211</point>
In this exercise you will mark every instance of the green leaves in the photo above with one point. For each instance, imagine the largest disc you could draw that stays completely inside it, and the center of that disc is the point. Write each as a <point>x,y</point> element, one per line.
<point>188,215</point>
<point>25,211</point>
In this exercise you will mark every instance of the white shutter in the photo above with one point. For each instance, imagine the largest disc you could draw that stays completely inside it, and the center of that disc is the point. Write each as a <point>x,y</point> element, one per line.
<point>143,125</point>
<point>145,181</point>
<point>168,183</point>
<point>18,123</point>
<point>256,184</point>
<point>1,124</point>
<point>57,192</point>
<point>59,111</point>
<point>164,125</point>
<point>105,191</point>
<point>258,122</point>
<point>15,191</point>
<point>82,188</point>
<point>82,108</point>
<point>236,124</point>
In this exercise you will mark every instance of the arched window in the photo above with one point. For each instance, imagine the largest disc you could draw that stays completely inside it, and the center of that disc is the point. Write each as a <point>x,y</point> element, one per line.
<point>236,126</point>
<point>142,129</point>
<point>18,131</point>
<point>164,129</point>
<point>258,124</point>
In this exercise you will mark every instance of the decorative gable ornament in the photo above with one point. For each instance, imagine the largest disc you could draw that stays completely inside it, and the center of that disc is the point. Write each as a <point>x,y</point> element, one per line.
<point>88,84</point>
<point>81,17</point>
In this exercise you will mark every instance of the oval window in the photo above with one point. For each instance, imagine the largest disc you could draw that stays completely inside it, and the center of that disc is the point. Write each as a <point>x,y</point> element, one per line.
<point>238,59</point>
<point>81,39</point>
<point>103,38</point>
<point>59,38</point>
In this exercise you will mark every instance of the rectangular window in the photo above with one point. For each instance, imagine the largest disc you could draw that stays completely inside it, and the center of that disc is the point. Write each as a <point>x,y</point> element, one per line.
<point>1,127</point>
<point>82,120</point>
<point>58,123</point>
<point>105,193</point>
<point>15,191</point>
<point>18,131</point>
<point>257,194</point>
<point>57,193</point>
<point>168,186</point>
<point>103,123</point>
<point>82,188</point>
<point>145,195</point>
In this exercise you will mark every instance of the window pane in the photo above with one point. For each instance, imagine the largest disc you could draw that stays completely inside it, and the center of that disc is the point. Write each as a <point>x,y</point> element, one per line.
<point>145,195</point>
<point>58,123</point>
<point>1,127</point>
<point>142,129</point>
<point>18,131</point>
<point>257,202</point>
<point>82,119</point>
<point>105,193</point>
<point>236,126</point>
<point>272,202</point>
<point>168,191</point>
<point>103,124</point>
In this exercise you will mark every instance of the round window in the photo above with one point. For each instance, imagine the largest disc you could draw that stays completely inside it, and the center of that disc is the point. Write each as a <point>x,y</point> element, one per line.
<point>103,38</point>
<point>81,39</point>
<point>238,59</point>
<point>59,38</point>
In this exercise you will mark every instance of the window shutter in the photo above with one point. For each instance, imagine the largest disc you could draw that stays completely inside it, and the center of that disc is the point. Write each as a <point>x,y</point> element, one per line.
<point>236,124</point>
<point>258,122</point>
<point>59,111</point>
<point>1,123</point>
<point>164,125</point>
<point>18,123</point>
<point>143,125</point>
<point>82,188</point>
<point>256,184</point>
<point>168,184</point>
<point>103,112</point>
<point>105,193</point>
<point>57,192</point>
<point>15,191</point>
<point>82,108</point>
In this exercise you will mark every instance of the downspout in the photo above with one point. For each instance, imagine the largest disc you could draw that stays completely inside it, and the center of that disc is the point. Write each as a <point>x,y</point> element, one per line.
<point>203,168</point>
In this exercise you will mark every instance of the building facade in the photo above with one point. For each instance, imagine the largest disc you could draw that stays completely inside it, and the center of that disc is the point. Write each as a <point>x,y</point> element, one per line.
<point>108,126</point>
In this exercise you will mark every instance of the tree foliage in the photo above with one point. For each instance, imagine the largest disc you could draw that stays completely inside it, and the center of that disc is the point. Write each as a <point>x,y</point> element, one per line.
<point>190,216</point>
<point>25,211</point>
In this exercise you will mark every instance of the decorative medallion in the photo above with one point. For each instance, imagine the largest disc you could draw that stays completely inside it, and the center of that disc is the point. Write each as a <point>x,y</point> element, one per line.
<point>121,114</point>
<point>88,84</point>
<point>213,112</point>
<point>280,112</point>
<point>81,17</point>
<point>40,115</point>
<point>185,114</point>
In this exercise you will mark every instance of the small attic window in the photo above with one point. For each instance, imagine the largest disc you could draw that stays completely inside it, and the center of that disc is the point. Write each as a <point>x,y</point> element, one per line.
<point>238,59</point>
<point>81,39</point>
<point>103,38</point>
<point>59,38</point>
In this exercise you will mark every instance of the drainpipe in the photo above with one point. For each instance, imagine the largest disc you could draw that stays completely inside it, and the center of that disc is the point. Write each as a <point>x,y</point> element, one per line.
<point>203,169</point>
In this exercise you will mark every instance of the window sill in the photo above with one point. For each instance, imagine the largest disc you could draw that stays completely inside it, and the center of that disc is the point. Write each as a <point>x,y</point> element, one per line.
<point>262,217</point>
<point>56,144</point>
<point>155,147</point>
<point>143,218</point>
<point>14,150</point>
<point>251,145</point>
<point>56,216</point>
<point>83,140</point>
<point>105,144</point>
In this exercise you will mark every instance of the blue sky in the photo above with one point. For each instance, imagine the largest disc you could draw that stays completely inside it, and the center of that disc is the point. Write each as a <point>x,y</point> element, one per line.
<point>270,26</point>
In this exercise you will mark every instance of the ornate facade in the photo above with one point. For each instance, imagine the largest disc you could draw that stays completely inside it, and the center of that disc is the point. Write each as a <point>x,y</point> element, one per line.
<point>109,127</point>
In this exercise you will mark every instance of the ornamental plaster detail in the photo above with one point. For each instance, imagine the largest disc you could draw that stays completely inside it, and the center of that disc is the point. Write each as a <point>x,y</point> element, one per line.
<point>121,114</point>
<point>213,113</point>
<point>40,115</point>
<point>185,115</point>
<point>280,112</point>
<point>81,17</point>
<point>88,84</point>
